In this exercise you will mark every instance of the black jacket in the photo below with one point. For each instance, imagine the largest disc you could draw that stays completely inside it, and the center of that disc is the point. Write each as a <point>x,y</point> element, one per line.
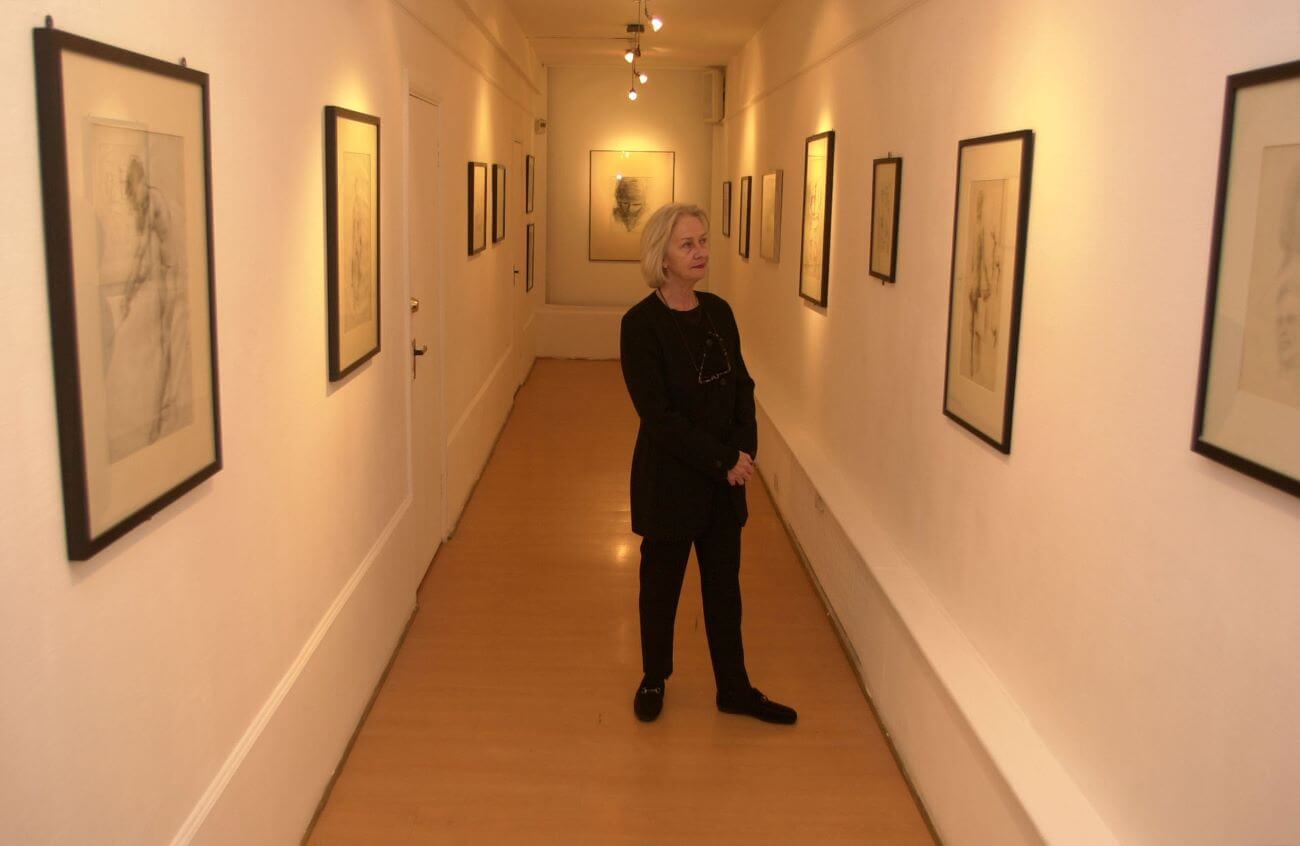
<point>690,434</point>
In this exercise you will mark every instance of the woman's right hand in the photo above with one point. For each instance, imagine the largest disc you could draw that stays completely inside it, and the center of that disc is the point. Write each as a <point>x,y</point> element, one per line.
<point>743,471</point>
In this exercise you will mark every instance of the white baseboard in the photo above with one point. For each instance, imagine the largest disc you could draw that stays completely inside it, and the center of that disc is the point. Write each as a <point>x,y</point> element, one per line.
<point>982,772</point>
<point>271,783</point>
<point>471,439</point>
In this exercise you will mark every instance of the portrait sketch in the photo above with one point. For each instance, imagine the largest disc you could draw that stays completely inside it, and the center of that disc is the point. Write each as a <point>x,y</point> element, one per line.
<point>726,209</point>
<point>1248,393</point>
<point>352,225</point>
<point>1270,360</point>
<point>531,247</point>
<point>743,215</point>
<point>887,178</point>
<point>626,188</point>
<point>529,166</point>
<point>979,280</point>
<point>988,249</point>
<point>769,233</point>
<point>814,247</point>
<point>126,190</point>
<point>138,192</point>
<point>498,203</point>
<point>357,245</point>
<point>477,207</point>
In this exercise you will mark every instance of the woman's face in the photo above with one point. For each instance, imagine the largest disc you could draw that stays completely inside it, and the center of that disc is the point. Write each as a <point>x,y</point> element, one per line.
<point>687,256</point>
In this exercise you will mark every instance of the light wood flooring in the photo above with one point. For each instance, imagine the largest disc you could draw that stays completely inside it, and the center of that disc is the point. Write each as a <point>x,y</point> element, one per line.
<point>506,716</point>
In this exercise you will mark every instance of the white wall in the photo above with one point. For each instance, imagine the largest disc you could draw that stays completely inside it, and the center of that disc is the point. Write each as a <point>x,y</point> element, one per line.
<point>1134,601</point>
<point>200,678</point>
<point>589,110</point>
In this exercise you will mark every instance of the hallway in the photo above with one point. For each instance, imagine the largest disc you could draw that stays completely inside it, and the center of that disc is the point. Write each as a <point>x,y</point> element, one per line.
<point>506,715</point>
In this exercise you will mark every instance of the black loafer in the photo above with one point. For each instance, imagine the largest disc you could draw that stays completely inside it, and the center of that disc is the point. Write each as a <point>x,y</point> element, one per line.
<point>755,704</point>
<point>649,701</point>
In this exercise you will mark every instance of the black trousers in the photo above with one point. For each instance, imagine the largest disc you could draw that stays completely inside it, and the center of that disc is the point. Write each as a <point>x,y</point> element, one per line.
<point>663,566</point>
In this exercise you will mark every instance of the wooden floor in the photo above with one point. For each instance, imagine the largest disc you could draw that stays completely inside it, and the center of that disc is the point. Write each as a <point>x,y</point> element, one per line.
<point>507,714</point>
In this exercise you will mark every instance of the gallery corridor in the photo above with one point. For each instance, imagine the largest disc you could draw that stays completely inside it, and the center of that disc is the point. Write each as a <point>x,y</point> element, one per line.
<point>506,715</point>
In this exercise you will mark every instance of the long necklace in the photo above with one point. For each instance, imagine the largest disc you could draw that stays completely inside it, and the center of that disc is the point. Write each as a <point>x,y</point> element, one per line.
<point>709,339</point>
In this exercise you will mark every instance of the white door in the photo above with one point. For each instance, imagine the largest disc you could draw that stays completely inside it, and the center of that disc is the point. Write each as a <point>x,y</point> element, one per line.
<point>517,229</point>
<point>427,439</point>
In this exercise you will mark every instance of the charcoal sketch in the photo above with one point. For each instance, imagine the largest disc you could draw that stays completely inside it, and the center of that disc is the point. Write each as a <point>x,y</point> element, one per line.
<point>136,181</point>
<point>882,227</point>
<point>1270,361</point>
<point>357,241</point>
<point>630,193</point>
<point>814,204</point>
<point>769,240</point>
<point>480,207</point>
<point>982,281</point>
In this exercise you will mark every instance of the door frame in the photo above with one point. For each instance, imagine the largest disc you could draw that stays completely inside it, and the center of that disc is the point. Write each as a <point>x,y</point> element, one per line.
<point>422,92</point>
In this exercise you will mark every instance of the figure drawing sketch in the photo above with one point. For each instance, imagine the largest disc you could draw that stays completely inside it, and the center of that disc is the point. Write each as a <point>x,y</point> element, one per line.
<point>137,186</point>
<point>1270,361</point>
<point>982,281</point>
<point>357,241</point>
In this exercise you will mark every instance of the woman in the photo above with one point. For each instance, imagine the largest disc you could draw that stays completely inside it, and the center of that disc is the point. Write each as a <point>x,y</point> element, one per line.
<point>694,453</point>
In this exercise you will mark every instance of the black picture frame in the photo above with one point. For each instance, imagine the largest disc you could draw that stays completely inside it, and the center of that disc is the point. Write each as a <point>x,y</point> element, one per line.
<point>1247,414</point>
<point>994,424</point>
<point>882,254</point>
<point>815,226</point>
<point>743,211</point>
<point>86,425</point>
<point>529,177</point>
<point>477,207</point>
<point>528,273</point>
<point>726,209</point>
<point>343,362</point>
<point>498,203</point>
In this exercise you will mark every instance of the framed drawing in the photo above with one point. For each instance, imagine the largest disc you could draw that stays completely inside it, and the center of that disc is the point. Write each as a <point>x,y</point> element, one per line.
<point>528,273</point>
<point>478,207</point>
<point>1248,396</point>
<point>990,223</point>
<point>815,243</point>
<point>626,188</point>
<point>498,203</point>
<point>742,220</point>
<point>126,176</point>
<point>352,230</point>
<point>529,164</point>
<point>769,232</point>
<point>726,209</point>
<point>886,194</point>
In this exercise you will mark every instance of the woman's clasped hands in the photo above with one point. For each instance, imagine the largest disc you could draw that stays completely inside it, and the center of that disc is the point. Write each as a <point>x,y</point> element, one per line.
<point>744,469</point>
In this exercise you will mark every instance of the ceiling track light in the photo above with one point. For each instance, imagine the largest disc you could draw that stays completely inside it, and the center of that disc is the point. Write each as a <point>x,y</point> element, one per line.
<point>631,93</point>
<point>656,22</point>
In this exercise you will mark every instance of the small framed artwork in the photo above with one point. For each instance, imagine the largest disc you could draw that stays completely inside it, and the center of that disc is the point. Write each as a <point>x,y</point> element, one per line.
<point>769,231</point>
<point>726,209</point>
<point>498,203</point>
<point>886,194</point>
<point>528,273</point>
<point>352,230</point>
<point>742,221</point>
<point>126,178</point>
<point>626,188</point>
<point>990,223</point>
<point>477,208</point>
<point>529,164</point>
<point>1248,395</point>
<point>815,243</point>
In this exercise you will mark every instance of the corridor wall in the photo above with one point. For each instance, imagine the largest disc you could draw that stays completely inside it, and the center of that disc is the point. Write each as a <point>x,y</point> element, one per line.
<point>199,680</point>
<point>589,110</point>
<point>1093,638</point>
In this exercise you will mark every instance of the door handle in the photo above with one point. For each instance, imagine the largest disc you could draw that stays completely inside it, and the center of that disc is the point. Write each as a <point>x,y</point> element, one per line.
<point>417,350</point>
<point>415,304</point>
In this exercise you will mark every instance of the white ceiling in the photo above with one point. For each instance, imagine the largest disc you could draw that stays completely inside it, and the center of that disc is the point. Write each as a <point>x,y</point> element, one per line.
<point>696,33</point>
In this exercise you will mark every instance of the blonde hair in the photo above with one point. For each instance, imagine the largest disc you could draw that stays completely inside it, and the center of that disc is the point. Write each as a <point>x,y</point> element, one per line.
<point>654,238</point>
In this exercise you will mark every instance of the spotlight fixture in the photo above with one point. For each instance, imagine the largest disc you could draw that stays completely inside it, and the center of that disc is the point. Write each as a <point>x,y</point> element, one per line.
<point>629,56</point>
<point>656,22</point>
<point>631,93</point>
<point>641,76</point>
